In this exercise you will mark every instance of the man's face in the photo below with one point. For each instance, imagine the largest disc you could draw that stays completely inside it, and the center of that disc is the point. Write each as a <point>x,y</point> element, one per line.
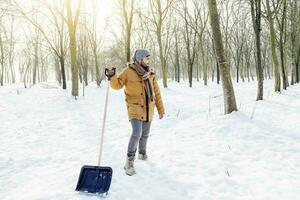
<point>146,61</point>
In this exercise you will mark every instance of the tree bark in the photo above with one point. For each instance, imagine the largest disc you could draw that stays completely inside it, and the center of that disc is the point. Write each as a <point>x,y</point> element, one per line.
<point>277,86</point>
<point>256,21</point>
<point>228,91</point>
<point>72,24</point>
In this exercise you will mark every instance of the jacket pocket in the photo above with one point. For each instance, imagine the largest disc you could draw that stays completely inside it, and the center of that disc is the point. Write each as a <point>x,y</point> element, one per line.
<point>137,101</point>
<point>135,107</point>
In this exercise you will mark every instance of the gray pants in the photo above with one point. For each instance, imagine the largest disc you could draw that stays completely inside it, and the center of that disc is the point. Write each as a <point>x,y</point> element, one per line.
<point>140,133</point>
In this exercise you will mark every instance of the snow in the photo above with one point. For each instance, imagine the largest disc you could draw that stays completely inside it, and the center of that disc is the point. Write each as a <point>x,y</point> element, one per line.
<point>195,152</point>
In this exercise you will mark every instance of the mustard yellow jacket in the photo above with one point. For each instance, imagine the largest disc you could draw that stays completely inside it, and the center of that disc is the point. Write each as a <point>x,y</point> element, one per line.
<point>135,95</point>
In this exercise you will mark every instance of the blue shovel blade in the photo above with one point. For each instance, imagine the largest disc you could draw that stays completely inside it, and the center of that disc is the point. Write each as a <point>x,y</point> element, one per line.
<point>94,179</point>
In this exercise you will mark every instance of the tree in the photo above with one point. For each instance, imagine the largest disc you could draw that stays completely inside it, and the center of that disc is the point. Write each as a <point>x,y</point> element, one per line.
<point>2,59</point>
<point>11,49</point>
<point>228,91</point>
<point>56,45</point>
<point>59,47</point>
<point>238,45</point>
<point>93,36</point>
<point>177,53</point>
<point>294,18</point>
<point>72,22</point>
<point>127,14</point>
<point>282,43</point>
<point>83,49</point>
<point>270,17</point>
<point>159,14</point>
<point>202,14</point>
<point>190,37</point>
<point>256,22</point>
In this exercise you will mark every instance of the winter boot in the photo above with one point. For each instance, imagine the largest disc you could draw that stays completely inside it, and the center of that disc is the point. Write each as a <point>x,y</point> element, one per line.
<point>143,157</point>
<point>129,167</point>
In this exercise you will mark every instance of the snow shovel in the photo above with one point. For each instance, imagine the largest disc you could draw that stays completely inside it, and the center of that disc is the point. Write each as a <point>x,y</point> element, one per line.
<point>97,179</point>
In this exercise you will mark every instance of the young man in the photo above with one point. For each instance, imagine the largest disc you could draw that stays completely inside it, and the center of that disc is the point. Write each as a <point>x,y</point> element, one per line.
<point>142,94</point>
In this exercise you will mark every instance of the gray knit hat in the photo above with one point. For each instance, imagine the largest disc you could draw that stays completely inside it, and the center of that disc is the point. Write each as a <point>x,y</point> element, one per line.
<point>139,54</point>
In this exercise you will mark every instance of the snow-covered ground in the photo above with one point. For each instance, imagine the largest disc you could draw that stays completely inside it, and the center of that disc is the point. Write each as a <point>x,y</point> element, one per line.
<point>195,152</point>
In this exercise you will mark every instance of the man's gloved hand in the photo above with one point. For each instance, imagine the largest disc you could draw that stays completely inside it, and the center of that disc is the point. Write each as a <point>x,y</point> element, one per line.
<point>110,72</point>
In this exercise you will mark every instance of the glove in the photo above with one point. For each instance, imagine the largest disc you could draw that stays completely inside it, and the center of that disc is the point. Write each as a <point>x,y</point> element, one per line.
<point>110,72</point>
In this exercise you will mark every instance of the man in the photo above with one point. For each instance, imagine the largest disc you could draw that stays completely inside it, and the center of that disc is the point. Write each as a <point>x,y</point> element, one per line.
<point>142,94</point>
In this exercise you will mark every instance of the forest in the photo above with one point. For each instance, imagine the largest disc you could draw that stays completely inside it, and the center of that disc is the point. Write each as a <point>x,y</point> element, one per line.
<point>149,99</point>
<point>72,41</point>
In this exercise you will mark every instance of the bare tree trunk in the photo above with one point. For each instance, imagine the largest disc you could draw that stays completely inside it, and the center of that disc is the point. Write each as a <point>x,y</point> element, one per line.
<point>57,71</point>
<point>63,72</point>
<point>36,60</point>
<point>204,65</point>
<point>297,66</point>
<point>161,55</point>
<point>190,37</point>
<point>11,51</point>
<point>128,20</point>
<point>2,60</point>
<point>93,40</point>
<point>61,55</point>
<point>282,45</point>
<point>72,25</point>
<point>177,63</point>
<point>273,48</point>
<point>256,21</point>
<point>159,15</point>
<point>228,91</point>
